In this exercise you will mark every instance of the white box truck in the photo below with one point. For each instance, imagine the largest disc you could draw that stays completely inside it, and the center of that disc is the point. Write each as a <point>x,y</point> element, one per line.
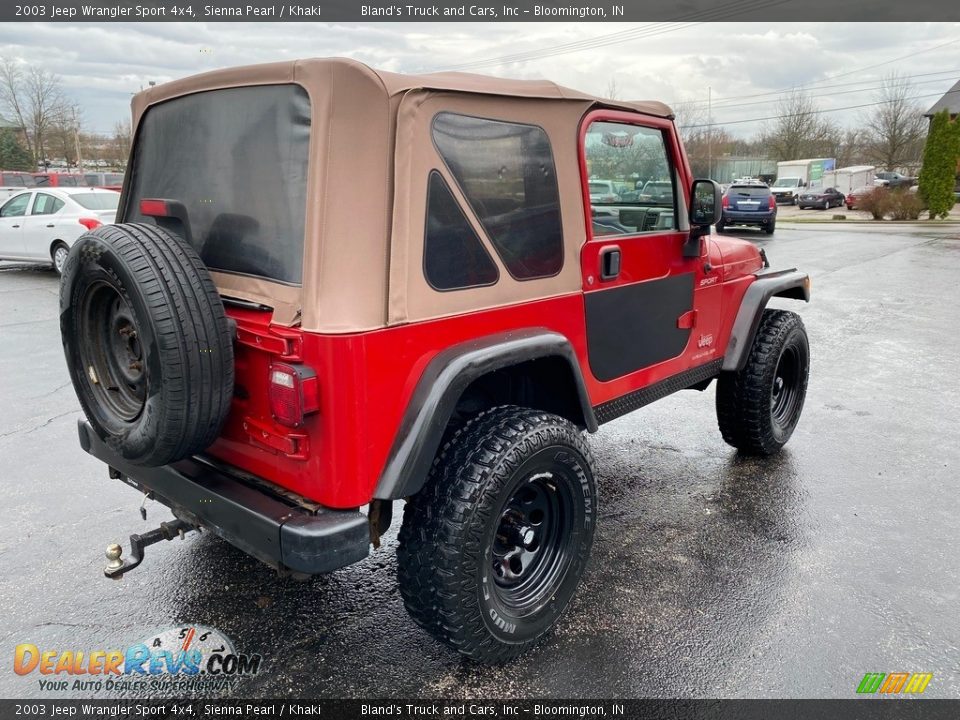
<point>795,175</point>
<point>848,179</point>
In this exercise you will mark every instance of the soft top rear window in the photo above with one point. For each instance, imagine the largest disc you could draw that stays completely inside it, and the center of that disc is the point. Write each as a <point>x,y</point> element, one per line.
<point>97,201</point>
<point>237,159</point>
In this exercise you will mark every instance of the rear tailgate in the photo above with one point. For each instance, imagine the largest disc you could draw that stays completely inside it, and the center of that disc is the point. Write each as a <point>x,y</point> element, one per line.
<point>749,199</point>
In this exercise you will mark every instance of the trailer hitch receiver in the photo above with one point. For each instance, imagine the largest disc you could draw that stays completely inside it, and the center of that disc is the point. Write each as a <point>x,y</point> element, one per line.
<point>167,531</point>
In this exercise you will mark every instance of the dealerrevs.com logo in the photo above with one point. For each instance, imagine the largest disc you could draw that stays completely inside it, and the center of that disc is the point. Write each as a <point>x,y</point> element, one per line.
<point>894,683</point>
<point>180,659</point>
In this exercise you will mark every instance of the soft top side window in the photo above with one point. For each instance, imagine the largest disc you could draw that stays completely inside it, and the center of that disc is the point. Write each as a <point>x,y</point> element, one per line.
<point>507,174</point>
<point>454,257</point>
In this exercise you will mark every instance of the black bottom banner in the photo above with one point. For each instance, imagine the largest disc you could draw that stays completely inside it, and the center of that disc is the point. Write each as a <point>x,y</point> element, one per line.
<point>854,709</point>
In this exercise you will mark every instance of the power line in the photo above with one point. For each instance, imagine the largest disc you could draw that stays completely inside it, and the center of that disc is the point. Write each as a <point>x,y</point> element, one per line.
<point>893,60</point>
<point>577,46</point>
<point>653,29</point>
<point>827,94</point>
<point>819,111</point>
<point>779,93</point>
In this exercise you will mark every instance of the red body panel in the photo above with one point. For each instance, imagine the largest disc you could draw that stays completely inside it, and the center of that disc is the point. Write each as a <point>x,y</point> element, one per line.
<point>366,380</point>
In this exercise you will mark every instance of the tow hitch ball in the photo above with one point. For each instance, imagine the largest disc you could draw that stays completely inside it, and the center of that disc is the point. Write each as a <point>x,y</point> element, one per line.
<point>167,531</point>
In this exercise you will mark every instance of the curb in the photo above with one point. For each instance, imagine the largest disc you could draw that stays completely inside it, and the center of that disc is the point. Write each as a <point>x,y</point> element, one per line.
<point>878,223</point>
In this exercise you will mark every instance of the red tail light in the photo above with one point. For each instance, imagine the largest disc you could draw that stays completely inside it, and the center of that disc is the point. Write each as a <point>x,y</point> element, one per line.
<point>773,202</point>
<point>90,223</point>
<point>726,202</point>
<point>154,208</point>
<point>294,393</point>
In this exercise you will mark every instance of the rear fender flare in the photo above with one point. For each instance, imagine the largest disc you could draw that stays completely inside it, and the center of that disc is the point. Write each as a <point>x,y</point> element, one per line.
<point>440,387</point>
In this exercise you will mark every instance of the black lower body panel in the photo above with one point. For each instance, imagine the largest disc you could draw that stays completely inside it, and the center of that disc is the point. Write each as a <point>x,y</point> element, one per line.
<point>644,396</point>
<point>282,533</point>
<point>634,326</point>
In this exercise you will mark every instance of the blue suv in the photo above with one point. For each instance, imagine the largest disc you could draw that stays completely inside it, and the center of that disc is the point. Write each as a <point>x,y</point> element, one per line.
<point>749,204</point>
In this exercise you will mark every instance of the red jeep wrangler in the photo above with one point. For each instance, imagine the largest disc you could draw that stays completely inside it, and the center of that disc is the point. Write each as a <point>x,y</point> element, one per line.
<point>331,288</point>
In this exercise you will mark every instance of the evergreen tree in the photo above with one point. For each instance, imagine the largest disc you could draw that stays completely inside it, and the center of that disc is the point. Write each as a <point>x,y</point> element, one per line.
<point>938,175</point>
<point>13,155</point>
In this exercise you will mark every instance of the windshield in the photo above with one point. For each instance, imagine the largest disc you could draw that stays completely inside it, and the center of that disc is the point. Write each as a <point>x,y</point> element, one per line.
<point>599,188</point>
<point>97,201</point>
<point>237,159</point>
<point>787,182</point>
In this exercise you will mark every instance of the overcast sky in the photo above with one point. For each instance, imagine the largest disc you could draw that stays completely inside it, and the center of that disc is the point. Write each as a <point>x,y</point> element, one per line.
<point>841,63</point>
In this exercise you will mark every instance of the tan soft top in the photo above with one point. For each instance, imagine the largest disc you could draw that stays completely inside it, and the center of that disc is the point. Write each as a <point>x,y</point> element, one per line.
<point>315,73</point>
<point>370,155</point>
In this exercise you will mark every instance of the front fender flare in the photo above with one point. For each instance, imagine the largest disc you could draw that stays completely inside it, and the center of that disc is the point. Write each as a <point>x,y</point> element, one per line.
<point>782,283</point>
<point>440,387</point>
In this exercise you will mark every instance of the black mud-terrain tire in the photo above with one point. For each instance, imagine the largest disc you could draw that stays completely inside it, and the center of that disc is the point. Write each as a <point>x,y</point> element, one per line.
<point>147,342</point>
<point>490,485</point>
<point>770,227</point>
<point>759,406</point>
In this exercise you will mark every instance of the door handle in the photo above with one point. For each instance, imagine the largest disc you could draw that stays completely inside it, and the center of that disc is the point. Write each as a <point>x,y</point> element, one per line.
<point>16,226</point>
<point>609,263</point>
<point>52,225</point>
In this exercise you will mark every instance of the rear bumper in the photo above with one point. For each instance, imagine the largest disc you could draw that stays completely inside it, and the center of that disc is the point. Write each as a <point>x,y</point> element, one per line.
<point>296,536</point>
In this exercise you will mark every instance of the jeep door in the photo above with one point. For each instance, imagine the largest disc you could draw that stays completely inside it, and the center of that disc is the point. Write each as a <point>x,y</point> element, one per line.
<point>12,215</point>
<point>638,286</point>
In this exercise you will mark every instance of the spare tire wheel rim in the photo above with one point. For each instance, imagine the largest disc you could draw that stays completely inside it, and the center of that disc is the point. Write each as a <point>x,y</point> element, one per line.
<point>112,352</point>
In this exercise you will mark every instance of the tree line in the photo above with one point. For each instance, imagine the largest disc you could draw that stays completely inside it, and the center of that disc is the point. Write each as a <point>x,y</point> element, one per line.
<point>43,123</point>
<point>890,134</point>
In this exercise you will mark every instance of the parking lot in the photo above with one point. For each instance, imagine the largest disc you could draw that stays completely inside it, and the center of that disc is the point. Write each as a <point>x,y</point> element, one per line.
<point>711,576</point>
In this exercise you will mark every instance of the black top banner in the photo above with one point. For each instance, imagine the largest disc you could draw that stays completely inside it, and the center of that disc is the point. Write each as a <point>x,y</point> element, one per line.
<point>693,11</point>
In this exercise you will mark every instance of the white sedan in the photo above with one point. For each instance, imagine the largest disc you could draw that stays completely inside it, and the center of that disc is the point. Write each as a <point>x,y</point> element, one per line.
<point>40,225</point>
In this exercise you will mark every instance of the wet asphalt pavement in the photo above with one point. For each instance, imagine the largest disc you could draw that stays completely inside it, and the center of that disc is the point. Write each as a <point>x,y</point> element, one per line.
<point>711,576</point>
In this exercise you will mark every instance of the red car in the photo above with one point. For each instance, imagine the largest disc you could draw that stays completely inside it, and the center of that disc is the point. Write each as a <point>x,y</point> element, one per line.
<point>279,358</point>
<point>854,195</point>
<point>58,179</point>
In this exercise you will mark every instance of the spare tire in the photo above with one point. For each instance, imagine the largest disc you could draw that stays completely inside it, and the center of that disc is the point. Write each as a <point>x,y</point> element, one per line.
<point>147,342</point>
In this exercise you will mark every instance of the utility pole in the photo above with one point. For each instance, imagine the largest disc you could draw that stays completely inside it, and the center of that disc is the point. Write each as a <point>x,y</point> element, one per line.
<point>710,132</point>
<point>76,140</point>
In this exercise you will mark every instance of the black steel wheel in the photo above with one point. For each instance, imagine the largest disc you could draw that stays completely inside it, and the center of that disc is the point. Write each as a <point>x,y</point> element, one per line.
<point>759,407</point>
<point>493,548</point>
<point>530,552</point>
<point>110,347</point>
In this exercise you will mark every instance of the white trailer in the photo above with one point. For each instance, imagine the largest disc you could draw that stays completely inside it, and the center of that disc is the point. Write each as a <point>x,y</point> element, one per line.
<point>848,179</point>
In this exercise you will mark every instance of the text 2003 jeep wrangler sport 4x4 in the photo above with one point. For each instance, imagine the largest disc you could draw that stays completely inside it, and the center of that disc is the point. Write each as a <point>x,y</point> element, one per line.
<point>331,288</point>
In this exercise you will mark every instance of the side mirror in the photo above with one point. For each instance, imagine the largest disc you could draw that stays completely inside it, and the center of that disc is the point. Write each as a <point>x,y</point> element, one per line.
<point>706,209</point>
<point>706,203</point>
